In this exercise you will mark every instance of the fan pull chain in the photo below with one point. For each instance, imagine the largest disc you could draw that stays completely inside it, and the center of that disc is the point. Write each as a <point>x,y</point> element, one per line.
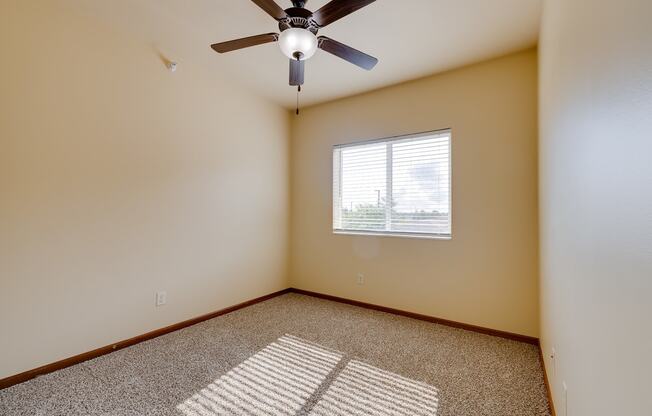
<point>298,91</point>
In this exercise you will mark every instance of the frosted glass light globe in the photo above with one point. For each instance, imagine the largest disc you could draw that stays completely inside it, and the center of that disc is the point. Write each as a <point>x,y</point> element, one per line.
<point>298,40</point>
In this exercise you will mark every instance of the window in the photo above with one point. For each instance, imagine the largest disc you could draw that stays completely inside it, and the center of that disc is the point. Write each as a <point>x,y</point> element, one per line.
<point>397,186</point>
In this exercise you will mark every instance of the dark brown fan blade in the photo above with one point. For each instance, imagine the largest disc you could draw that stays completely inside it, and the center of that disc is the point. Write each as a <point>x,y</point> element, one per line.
<point>337,9</point>
<point>296,72</point>
<point>235,44</point>
<point>347,53</point>
<point>271,8</point>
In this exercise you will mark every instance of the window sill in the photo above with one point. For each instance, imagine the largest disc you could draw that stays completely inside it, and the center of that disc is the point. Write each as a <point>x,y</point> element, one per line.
<point>395,234</point>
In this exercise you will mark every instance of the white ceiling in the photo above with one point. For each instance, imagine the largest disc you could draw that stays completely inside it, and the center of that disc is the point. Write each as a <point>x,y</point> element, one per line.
<point>411,38</point>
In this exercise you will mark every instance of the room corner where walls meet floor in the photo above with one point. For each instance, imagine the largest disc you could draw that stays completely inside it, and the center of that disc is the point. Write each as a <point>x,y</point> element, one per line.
<point>243,363</point>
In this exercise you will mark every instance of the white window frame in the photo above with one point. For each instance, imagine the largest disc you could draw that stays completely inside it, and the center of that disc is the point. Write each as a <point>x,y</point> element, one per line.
<point>388,233</point>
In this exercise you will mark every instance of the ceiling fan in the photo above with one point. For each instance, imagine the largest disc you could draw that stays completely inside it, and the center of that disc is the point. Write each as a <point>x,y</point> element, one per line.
<point>298,39</point>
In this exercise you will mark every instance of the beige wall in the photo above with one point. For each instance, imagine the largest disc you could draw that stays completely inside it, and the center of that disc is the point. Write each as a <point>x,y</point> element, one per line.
<point>596,204</point>
<point>487,274</point>
<point>118,179</point>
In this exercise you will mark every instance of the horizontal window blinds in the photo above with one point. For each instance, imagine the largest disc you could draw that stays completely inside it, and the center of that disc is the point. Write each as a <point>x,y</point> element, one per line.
<point>394,186</point>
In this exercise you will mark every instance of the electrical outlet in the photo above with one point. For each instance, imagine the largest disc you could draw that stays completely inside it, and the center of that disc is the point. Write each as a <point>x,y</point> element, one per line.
<point>360,279</point>
<point>161,298</point>
<point>564,398</point>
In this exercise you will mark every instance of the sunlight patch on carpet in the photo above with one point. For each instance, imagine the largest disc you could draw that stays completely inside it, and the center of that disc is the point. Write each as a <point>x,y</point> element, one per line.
<point>285,377</point>
<point>278,380</point>
<point>367,390</point>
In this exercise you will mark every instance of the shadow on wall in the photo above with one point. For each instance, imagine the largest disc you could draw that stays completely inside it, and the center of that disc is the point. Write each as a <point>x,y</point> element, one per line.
<point>292,376</point>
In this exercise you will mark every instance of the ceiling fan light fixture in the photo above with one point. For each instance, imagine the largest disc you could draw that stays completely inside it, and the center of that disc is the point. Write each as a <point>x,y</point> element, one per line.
<point>297,41</point>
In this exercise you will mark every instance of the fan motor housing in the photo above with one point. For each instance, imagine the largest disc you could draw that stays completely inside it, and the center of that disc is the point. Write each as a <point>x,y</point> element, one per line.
<point>298,17</point>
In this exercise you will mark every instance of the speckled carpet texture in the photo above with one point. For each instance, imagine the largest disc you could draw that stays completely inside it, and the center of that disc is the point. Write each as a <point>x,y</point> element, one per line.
<point>298,355</point>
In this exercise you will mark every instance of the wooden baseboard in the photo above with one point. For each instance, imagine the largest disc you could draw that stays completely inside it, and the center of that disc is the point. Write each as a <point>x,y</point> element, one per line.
<point>551,404</point>
<point>455,324</point>
<point>67,362</point>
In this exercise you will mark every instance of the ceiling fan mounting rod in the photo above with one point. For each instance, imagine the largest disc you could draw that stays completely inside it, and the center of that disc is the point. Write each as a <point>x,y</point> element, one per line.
<point>299,3</point>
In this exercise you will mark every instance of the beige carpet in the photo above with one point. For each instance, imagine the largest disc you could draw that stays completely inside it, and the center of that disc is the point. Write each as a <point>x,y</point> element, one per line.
<point>297,355</point>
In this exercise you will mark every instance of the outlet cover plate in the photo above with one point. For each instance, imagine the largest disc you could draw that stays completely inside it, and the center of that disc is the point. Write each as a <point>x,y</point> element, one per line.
<point>161,298</point>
